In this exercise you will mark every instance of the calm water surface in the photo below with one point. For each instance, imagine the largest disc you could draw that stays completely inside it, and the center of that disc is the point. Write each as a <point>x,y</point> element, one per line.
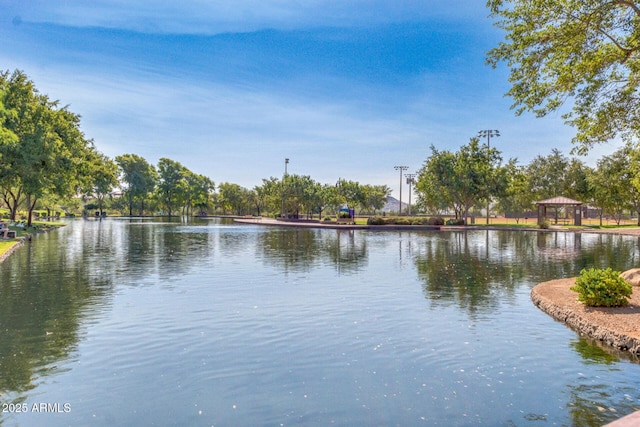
<point>139,322</point>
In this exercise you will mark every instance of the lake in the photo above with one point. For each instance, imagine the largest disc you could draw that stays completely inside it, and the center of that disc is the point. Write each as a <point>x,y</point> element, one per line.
<point>125,322</point>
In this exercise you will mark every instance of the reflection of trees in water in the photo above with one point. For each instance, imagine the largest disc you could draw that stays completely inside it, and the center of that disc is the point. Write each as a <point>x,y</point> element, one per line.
<point>139,249</point>
<point>46,292</point>
<point>301,249</point>
<point>472,269</point>
<point>47,288</point>
<point>457,268</point>
<point>593,352</point>
<point>590,403</point>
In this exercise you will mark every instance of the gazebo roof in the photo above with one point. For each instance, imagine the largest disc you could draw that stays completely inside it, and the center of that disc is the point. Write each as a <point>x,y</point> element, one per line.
<point>559,201</point>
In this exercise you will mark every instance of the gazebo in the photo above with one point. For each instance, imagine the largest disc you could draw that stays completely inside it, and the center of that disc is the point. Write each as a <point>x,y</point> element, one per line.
<point>557,202</point>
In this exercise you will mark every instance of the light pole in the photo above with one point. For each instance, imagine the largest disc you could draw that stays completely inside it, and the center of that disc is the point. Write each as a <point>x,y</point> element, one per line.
<point>401,169</point>
<point>410,180</point>
<point>489,134</point>
<point>286,162</point>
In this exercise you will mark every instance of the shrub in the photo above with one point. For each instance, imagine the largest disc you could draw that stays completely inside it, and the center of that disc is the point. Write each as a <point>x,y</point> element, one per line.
<point>544,224</point>
<point>455,222</point>
<point>375,220</point>
<point>602,288</point>
<point>403,221</point>
<point>436,221</point>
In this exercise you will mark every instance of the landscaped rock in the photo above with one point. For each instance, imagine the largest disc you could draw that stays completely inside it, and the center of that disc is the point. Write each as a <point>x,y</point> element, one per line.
<point>632,276</point>
<point>618,327</point>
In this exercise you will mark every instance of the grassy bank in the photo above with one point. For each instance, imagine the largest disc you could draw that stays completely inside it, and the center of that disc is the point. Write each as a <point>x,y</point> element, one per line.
<point>5,245</point>
<point>36,227</point>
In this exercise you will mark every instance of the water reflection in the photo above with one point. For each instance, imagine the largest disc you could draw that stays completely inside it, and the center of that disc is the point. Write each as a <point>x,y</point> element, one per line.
<point>477,270</point>
<point>305,249</point>
<point>41,311</point>
<point>249,332</point>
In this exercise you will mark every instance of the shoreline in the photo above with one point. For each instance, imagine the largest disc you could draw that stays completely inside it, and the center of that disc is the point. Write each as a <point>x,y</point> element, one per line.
<point>618,327</point>
<point>631,231</point>
<point>12,249</point>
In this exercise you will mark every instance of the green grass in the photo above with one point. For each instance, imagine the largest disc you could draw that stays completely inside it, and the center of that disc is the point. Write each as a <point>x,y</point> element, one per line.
<point>604,227</point>
<point>5,245</point>
<point>507,225</point>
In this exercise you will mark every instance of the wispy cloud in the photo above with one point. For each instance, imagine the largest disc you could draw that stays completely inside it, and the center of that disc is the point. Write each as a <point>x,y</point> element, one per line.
<point>213,17</point>
<point>343,89</point>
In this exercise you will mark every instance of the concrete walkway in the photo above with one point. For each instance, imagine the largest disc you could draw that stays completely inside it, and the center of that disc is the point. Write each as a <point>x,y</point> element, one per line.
<point>333,225</point>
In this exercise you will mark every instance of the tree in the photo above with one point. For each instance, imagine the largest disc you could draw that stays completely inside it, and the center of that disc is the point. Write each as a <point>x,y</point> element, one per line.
<point>171,182</point>
<point>269,195</point>
<point>8,139</point>
<point>48,156</point>
<point>460,179</point>
<point>557,175</point>
<point>199,191</point>
<point>233,198</point>
<point>433,195</point>
<point>374,197</point>
<point>597,191</point>
<point>584,51</point>
<point>349,193</point>
<point>138,177</point>
<point>103,179</point>
<point>295,193</point>
<point>517,199</point>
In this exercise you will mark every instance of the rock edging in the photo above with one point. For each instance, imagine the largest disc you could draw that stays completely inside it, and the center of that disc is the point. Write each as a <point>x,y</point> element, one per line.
<point>618,327</point>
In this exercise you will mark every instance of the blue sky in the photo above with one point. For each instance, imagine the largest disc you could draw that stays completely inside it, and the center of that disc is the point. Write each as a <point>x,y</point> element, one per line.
<point>344,89</point>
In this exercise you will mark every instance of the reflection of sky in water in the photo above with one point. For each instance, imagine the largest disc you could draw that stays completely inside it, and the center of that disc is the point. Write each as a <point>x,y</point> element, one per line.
<point>214,324</point>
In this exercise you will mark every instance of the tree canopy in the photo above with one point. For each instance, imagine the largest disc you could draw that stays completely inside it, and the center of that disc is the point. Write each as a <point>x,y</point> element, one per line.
<point>581,51</point>
<point>461,179</point>
<point>42,150</point>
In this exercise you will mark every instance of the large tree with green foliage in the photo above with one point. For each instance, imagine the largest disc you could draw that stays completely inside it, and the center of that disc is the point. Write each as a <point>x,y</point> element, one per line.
<point>199,189</point>
<point>583,51</point>
<point>138,178</point>
<point>374,197</point>
<point>462,179</point>
<point>611,184</point>
<point>557,175</point>
<point>172,183</point>
<point>103,178</point>
<point>234,198</point>
<point>48,155</point>
<point>517,198</point>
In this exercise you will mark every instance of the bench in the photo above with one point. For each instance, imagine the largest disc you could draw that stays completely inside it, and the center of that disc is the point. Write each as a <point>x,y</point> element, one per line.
<point>5,232</point>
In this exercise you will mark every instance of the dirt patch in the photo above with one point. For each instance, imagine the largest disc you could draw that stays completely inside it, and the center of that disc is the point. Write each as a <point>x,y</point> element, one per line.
<point>616,326</point>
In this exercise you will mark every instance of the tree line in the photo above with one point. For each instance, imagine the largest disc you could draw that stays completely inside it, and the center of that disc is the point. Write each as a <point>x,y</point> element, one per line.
<point>46,162</point>
<point>476,176</point>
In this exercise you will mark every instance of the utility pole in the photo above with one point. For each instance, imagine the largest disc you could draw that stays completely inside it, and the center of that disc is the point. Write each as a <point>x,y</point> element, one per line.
<point>401,169</point>
<point>488,133</point>
<point>410,181</point>
<point>286,162</point>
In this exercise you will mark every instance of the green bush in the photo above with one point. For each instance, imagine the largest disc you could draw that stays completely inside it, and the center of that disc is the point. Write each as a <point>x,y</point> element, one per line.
<point>544,224</point>
<point>602,288</point>
<point>436,221</point>
<point>455,222</point>
<point>375,220</point>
